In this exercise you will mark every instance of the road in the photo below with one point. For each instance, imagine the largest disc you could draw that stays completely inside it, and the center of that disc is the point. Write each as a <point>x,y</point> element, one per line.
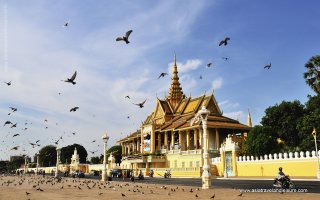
<point>249,184</point>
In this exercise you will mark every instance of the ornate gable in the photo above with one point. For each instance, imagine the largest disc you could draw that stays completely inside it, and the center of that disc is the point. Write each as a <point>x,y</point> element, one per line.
<point>212,105</point>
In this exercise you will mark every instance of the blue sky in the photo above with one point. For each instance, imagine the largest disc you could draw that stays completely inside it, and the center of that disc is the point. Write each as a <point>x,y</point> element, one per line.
<point>37,52</point>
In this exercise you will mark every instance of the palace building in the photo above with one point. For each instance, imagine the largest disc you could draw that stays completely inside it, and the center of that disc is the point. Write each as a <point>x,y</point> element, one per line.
<point>167,140</point>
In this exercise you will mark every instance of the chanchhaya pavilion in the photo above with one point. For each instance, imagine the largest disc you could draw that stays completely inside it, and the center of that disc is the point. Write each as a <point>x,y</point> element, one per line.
<point>167,140</point>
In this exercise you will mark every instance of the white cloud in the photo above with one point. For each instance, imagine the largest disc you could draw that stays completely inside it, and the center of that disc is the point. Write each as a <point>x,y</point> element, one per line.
<point>188,66</point>
<point>217,83</point>
<point>234,115</point>
<point>227,104</point>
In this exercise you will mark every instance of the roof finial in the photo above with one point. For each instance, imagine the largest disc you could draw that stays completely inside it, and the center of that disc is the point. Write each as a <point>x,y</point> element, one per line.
<point>175,58</point>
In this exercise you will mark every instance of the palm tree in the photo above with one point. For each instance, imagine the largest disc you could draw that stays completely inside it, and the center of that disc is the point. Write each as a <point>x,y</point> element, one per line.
<point>312,75</point>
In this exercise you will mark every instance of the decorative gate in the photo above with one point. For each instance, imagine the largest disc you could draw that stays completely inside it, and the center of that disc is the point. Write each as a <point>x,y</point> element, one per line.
<point>229,163</point>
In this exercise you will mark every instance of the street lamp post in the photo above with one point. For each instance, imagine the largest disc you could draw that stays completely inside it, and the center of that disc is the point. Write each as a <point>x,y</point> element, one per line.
<point>37,163</point>
<point>206,176</point>
<point>25,164</point>
<point>314,133</point>
<point>58,161</point>
<point>105,139</point>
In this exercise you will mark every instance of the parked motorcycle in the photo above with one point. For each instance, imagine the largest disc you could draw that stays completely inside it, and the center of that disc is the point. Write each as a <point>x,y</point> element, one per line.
<point>285,183</point>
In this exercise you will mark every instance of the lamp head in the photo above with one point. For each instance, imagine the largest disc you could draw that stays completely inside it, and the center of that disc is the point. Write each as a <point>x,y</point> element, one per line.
<point>105,138</point>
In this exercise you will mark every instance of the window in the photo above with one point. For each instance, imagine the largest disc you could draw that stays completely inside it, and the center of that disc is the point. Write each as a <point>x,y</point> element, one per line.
<point>175,164</point>
<point>182,165</point>
<point>197,164</point>
<point>190,164</point>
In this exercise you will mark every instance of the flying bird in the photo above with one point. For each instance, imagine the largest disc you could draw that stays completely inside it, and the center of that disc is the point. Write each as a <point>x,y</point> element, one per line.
<point>74,109</point>
<point>14,125</point>
<point>93,141</point>
<point>92,152</point>
<point>13,109</point>
<point>200,77</point>
<point>224,42</point>
<point>225,58</point>
<point>71,80</point>
<point>162,75</point>
<point>66,24</point>
<point>8,83</point>
<point>37,141</point>
<point>15,148</point>
<point>7,122</point>
<point>16,135</point>
<point>141,105</point>
<point>127,97</point>
<point>27,193</point>
<point>267,66</point>
<point>125,38</point>
<point>209,65</point>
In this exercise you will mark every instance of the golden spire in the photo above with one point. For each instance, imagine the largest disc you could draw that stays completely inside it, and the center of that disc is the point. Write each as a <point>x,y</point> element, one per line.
<point>249,119</point>
<point>175,94</point>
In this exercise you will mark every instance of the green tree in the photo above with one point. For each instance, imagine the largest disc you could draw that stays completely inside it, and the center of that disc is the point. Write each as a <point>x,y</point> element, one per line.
<point>95,160</point>
<point>67,152</point>
<point>48,156</point>
<point>261,140</point>
<point>3,166</point>
<point>283,120</point>
<point>312,75</point>
<point>310,119</point>
<point>116,151</point>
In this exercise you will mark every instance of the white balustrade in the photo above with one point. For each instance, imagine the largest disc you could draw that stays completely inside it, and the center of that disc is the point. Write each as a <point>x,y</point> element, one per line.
<point>270,157</point>
<point>296,155</point>
<point>266,157</point>
<point>290,155</point>
<point>280,155</point>
<point>307,154</point>
<point>285,155</point>
<point>301,154</point>
<point>275,156</point>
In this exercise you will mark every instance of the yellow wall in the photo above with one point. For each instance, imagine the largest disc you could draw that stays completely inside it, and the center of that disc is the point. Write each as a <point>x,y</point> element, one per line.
<point>295,167</point>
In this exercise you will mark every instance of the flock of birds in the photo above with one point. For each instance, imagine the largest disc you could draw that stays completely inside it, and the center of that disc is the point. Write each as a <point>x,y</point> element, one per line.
<point>71,80</point>
<point>33,185</point>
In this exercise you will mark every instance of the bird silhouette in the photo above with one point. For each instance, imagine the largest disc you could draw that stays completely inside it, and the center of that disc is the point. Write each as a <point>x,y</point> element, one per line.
<point>7,122</point>
<point>196,196</point>
<point>162,75</point>
<point>15,148</point>
<point>191,190</point>
<point>14,125</point>
<point>71,80</point>
<point>224,41</point>
<point>127,97</point>
<point>93,141</point>
<point>123,195</point>
<point>200,77</point>
<point>141,105</point>
<point>66,24</point>
<point>225,58</point>
<point>240,195</point>
<point>16,135</point>
<point>267,66</point>
<point>37,141</point>
<point>213,196</point>
<point>209,65</point>
<point>27,193</point>
<point>74,109</point>
<point>13,109</point>
<point>8,83</point>
<point>125,38</point>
